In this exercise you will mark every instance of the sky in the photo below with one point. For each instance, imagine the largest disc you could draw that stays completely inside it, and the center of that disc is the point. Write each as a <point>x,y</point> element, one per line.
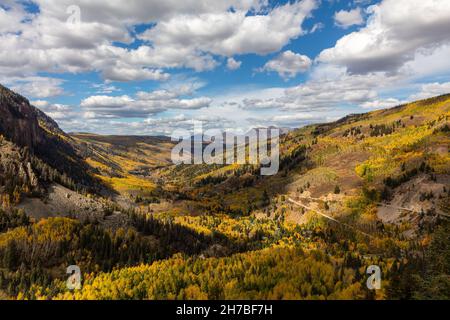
<point>149,67</point>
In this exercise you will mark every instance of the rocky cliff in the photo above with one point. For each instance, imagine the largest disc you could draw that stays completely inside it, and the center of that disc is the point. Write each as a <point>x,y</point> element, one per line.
<point>18,120</point>
<point>54,153</point>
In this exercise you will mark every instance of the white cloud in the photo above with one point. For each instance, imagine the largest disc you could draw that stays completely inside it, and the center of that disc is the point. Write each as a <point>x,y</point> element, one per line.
<point>395,31</point>
<point>382,103</point>
<point>183,35</point>
<point>40,103</point>
<point>149,126</point>
<point>429,90</point>
<point>111,102</point>
<point>334,88</point>
<point>328,89</point>
<point>233,64</point>
<point>142,105</point>
<point>317,27</point>
<point>261,104</point>
<point>345,19</point>
<point>327,95</point>
<point>58,112</point>
<point>103,88</point>
<point>34,86</point>
<point>141,11</point>
<point>289,120</point>
<point>402,43</point>
<point>131,73</point>
<point>232,32</point>
<point>11,18</point>
<point>288,64</point>
<point>429,62</point>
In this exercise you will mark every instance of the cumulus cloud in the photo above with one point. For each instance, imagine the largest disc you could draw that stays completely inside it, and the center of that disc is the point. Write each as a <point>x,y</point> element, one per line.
<point>58,112</point>
<point>233,64</point>
<point>182,121</point>
<point>382,103</point>
<point>402,43</point>
<point>288,64</point>
<point>429,63</point>
<point>148,126</point>
<point>35,86</point>
<point>396,30</point>
<point>346,19</point>
<point>180,35</point>
<point>142,11</point>
<point>261,104</point>
<point>142,105</point>
<point>232,32</point>
<point>131,73</point>
<point>429,90</point>
<point>289,120</point>
<point>10,17</point>
<point>328,89</point>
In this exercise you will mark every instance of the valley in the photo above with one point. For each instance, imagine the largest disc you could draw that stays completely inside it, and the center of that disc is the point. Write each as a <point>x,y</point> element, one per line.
<point>369,189</point>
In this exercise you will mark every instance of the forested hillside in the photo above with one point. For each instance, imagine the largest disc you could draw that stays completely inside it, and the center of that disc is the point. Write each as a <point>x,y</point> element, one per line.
<point>370,189</point>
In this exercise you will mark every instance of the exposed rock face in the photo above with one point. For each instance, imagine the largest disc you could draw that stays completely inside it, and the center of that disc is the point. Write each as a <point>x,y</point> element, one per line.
<point>16,171</point>
<point>18,120</point>
<point>35,133</point>
<point>32,176</point>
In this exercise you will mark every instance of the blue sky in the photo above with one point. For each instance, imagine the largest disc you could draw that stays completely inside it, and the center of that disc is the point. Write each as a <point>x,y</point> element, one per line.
<point>150,67</point>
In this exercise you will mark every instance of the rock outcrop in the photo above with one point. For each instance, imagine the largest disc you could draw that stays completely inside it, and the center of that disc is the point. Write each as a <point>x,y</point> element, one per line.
<point>53,152</point>
<point>18,120</point>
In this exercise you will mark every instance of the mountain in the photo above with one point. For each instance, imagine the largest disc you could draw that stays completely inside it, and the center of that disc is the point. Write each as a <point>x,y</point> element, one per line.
<point>368,189</point>
<point>19,122</point>
<point>38,149</point>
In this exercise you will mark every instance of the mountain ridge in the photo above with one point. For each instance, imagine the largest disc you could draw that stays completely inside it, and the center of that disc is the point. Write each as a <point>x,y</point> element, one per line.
<point>42,143</point>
